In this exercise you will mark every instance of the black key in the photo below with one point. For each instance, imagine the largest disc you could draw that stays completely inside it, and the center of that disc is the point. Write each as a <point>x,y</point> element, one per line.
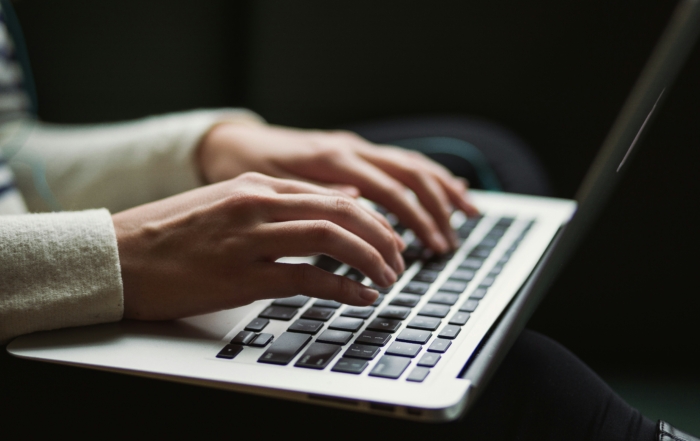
<point>328,263</point>
<point>471,263</point>
<point>346,324</point>
<point>327,304</point>
<point>262,340</point>
<point>469,306</point>
<point>425,275</point>
<point>489,241</point>
<point>373,338</point>
<point>409,300</point>
<point>463,274</point>
<point>435,265</point>
<point>403,349</point>
<point>229,351</point>
<point>505,221</point>
<point>439,345</point>
<point>284,348</point>
<point>358,311</point>
<point>503,260</point>
<point>350,365</point>
<point>390,367</point>
<point>293,302</point>
<point>334,337</point>
<point>427,323</point>
<point>379,300</point>
<point>433,310</point>
<point>487,282</point>
<point>478,293</point>
<point>496,270</point>
<point>418,374</point>
<point>482,252</point>
<point>460,318</point>
<point>306,326</point>
<point>457,286</point>
<point>257,324</point>
<point>414,336</point>
<point>395,312</point>
<point>419,288</point>
<point>279,313</point>
<point>243,338</point>
<point>381,290</point>
<point>355,274</point>
<point>445,298</point>
<point>315,313</point>
<point>429,359</point>
<point>384,325</point>
<point>365,352</point>
<point>318,356</point>
<point>449,331</point>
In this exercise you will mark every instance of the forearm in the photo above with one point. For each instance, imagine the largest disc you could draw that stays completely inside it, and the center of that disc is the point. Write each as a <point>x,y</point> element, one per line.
<point>117,166</point>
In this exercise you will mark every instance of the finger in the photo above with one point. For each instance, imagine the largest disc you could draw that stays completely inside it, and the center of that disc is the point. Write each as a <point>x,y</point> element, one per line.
<point>311,237</point>
<point>315,282</point>
<point>346,213</point>
<point>294,186</point>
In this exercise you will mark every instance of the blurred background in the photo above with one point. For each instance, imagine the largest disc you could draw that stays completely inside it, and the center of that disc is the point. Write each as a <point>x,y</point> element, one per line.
<point>554,72</point>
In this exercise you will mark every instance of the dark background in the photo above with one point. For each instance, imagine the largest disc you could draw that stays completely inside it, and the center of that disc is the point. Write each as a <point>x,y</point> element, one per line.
<point>554,72</point>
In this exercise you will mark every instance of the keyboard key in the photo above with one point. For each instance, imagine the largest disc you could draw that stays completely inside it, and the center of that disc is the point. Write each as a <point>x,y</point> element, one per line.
<point>419,288</point>
<point>293,302</point>
<point>426,275</point>
<point>257,324</point>
<point>414,336</point>
<point>262,340</point>
<point>318,356</point>
<point>439,345</point>
<point>449,331</point>
<point>444,298</point>
<point>409,300</point>
<point>487,282</point>
<point>471,263</point>
<point>496,270</point>
<point>315,313</point>
<point>365,352</point>
<point>355,274</point>
<point>435,265</point>
<point>306,326</point>
<point>505,221</point>
<point>284,348</point>
<point>322,303</point>
<point>460,318</point>
<point>243,338</point>
<point>229,352</point>
<point>469,306</point>
<point>335,337</point>
<point>429,359</point>
<point>384,325</point>
<point>346,324</point>
<point>327,263</point>
<point>403,349</point>
<point>350,365</point>
<point>463,274</point>
<point>418,374</point>
<point>395,312</point>
<point>427,323</point>
<point>390,367</point>
<point>478,293</point>
<point>457,286</point>
<point>489,241</point>
<point>381,289</point>
<point>279,313</point>
<point>379,300</point>
<point>373,338</point>
<point>358,311</point>
<point>479,251</point>
<point>433,310</point>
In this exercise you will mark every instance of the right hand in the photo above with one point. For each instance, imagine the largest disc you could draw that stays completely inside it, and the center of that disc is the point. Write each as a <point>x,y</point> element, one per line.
<point>216,247</point>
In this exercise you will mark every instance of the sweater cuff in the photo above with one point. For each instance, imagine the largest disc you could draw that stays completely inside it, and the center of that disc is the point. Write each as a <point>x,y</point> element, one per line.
<point>58,270</point>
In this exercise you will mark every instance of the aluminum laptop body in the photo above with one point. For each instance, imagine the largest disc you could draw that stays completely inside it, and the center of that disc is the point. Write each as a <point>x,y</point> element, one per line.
<point>539,236</point>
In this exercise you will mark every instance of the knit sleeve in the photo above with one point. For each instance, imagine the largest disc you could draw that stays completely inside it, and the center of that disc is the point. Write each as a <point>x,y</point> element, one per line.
<point>58,270</point>
<point>115,166</point>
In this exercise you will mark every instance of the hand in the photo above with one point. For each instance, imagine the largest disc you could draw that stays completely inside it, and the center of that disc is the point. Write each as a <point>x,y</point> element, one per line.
<point>381,174</point>
<point>215,247</point>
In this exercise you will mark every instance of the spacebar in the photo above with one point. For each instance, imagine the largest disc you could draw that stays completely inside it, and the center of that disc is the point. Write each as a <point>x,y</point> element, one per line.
<point>285,348</point>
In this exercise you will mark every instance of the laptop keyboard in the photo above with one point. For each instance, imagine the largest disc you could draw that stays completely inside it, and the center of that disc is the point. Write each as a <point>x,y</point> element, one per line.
<point>346,339</point>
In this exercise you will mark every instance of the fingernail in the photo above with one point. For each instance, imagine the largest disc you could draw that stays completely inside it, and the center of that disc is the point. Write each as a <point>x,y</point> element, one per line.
<point>441,243</point>
<point>453,239</point>
<point>399,266</point>
<point>369,295</point>
<point>389,275</point>
<point>399,241</point>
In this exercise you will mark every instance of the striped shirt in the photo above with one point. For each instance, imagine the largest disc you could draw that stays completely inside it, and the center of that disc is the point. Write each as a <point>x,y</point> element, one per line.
<point>14,114</point>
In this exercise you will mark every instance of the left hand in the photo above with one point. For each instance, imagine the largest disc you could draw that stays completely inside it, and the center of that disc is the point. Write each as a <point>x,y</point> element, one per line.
<point>348,162</point>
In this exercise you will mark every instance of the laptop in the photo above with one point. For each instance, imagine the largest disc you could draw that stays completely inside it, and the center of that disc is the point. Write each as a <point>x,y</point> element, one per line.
<point>429,345</point>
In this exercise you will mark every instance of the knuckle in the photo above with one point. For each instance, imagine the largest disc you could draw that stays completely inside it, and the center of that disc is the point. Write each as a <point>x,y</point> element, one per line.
<point>322,230</point>
<point>343,207</point>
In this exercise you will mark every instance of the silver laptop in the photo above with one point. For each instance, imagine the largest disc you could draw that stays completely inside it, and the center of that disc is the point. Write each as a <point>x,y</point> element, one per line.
<point>429,345</point>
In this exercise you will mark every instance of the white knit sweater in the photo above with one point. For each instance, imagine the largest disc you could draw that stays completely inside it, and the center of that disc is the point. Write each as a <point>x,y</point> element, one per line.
<point>62,269</point>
